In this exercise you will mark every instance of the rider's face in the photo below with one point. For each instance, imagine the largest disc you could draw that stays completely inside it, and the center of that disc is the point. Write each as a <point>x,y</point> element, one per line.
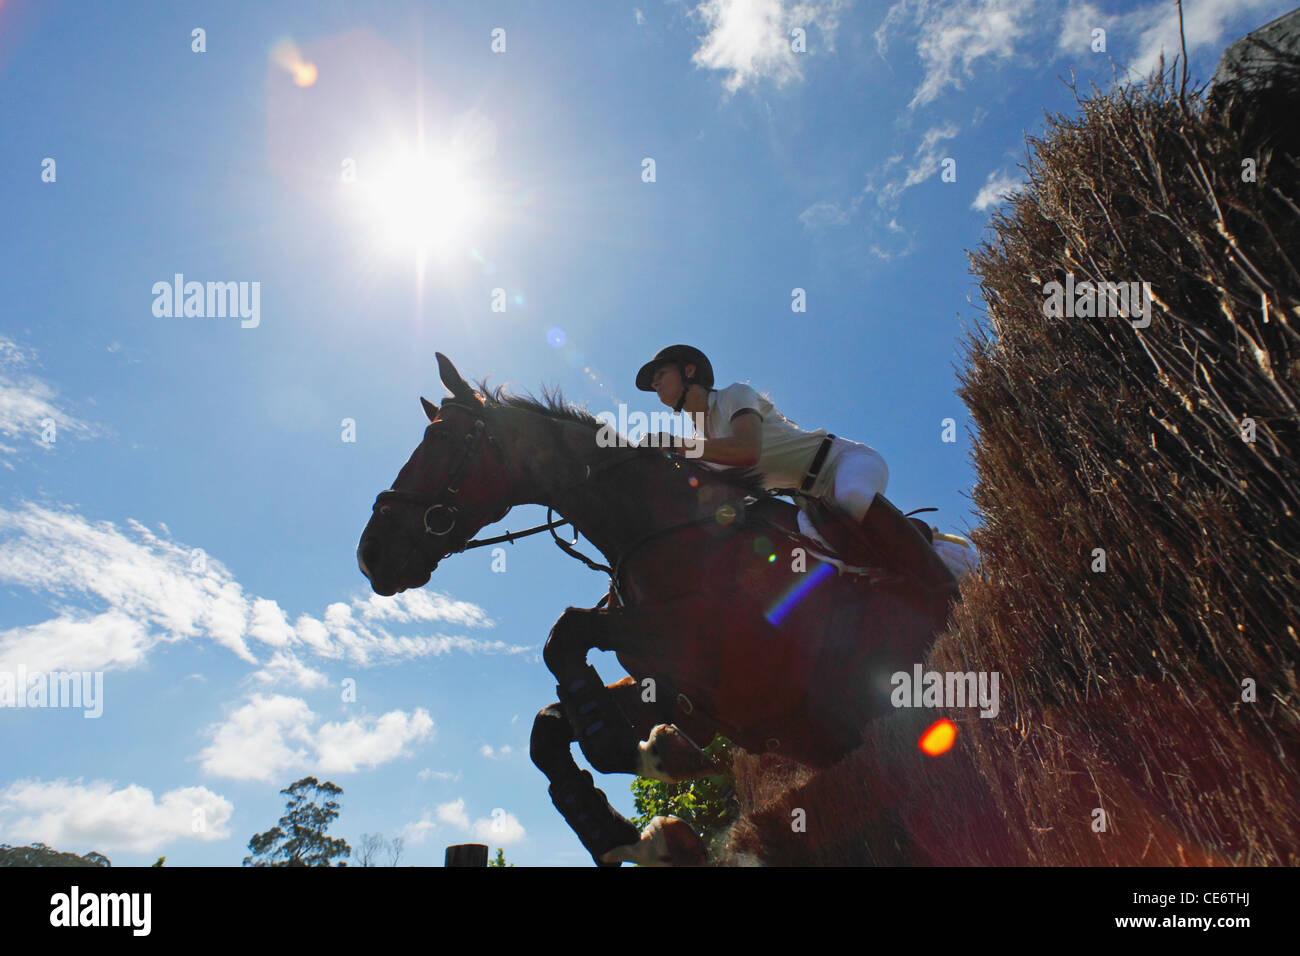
<point>668,384</point>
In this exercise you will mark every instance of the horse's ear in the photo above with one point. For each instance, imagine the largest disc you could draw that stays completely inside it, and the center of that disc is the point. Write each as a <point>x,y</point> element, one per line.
<point>451,378</point>
<point>430,409</point>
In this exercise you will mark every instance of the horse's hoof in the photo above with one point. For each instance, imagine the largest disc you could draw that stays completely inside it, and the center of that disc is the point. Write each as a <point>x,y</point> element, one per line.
<point>667,841</point>
<point>669,755</point>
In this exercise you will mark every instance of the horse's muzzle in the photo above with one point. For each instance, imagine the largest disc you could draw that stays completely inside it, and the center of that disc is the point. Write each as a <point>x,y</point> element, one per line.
<point>386,580</point>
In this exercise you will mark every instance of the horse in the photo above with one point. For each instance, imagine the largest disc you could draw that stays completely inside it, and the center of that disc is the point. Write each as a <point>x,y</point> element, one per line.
<point>720,612</point>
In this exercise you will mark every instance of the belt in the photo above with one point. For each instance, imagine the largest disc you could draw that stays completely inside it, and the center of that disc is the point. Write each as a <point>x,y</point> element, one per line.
<point>818,460</point>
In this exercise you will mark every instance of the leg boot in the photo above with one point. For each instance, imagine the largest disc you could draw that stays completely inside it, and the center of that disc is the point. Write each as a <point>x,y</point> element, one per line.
<point>602,730</point>
<point>599,826</point>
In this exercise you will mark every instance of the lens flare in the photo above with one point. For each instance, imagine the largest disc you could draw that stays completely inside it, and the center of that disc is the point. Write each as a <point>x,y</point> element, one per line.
<point>939,738</point>
<point>285,54</point>
<point>803,585</point>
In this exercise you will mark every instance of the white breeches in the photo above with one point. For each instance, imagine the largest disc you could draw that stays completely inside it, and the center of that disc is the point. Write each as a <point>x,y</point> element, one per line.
<point>853,478</point>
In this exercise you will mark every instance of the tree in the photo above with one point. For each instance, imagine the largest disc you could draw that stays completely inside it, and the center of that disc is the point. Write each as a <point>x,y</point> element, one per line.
<point>38,854</point>
<point>368,851</point>
<point>500,859</point>
<point>299,839</point>
<point>373,844</point>
<point>708,804</point>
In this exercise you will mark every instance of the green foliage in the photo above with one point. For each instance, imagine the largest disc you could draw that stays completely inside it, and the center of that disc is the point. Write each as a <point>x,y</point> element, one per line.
<point>160,861</point>
<point>38,854</point>
<point>708,804</point>
<point>299,839</point>
<point>500,859</point>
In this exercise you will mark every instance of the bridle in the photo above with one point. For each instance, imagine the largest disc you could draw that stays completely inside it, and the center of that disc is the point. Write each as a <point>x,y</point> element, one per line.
<point>441,511</point>
<point>437,502</point>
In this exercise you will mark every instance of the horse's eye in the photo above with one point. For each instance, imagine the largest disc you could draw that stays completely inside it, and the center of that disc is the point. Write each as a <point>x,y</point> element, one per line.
<point>384,509</point>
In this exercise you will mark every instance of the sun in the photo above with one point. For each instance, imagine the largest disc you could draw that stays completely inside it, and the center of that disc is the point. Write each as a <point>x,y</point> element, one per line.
<point>428,204</point>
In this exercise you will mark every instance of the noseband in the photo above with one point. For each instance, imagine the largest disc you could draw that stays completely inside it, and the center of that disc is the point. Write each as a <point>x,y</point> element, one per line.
<point>440,511</point>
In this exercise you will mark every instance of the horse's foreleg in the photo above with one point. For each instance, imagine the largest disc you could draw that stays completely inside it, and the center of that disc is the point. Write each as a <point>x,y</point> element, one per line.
<point>617,730</point>
<point>599,826</point>
<point>609,724</point>
<point>603,731</point>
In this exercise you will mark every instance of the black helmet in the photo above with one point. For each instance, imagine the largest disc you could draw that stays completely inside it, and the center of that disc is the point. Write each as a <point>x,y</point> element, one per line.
<point>683,355</point>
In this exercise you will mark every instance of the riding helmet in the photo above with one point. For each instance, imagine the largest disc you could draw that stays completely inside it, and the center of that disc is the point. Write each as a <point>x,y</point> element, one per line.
<point>683,355</point>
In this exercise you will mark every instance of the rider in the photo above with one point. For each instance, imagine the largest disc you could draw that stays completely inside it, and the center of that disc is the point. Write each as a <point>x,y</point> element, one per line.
<point>743,429</point>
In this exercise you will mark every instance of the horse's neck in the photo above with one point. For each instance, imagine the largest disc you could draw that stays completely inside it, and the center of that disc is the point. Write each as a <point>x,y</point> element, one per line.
<point>550,465</point>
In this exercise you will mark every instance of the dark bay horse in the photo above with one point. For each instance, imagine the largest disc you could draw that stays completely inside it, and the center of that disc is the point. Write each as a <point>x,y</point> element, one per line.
<point>724,622</point>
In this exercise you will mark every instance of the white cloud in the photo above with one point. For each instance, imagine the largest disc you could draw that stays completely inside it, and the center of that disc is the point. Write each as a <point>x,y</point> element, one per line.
<point>927,154</point>
<point>269,736</point>
<point>893,241</point>
<point>421,606</point>
<point>498,829</point>
<point>499,754</point>
<point>367,742</point>
<point>925,163</point>
<point>27,404</point>
<point>418,831</point>
<point>638,16</point>
<point>159,591</point>
<point>1204,25</point>
<point>750,39</point>
<point>261,740</point>
<point>269,624</point>
<point>69,814</point>
<point>996,188</point>
<point>1077,26</point>
<point>285,670</point>
<point>427,774</point>
<point>453,813</point>
<point>823,215</point>
<point>76,642</point>
<point>951,37</point>
<point>142,577</point>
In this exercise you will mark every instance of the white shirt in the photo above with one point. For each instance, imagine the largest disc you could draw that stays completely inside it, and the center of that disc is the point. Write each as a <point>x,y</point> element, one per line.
<point>787,451</point>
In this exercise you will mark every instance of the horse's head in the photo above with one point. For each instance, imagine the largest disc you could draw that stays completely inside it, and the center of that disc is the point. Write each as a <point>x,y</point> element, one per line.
<point>454,484</point>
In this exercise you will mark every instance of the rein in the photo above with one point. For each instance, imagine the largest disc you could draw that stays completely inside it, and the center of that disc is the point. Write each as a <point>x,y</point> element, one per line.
<point>478,433</point>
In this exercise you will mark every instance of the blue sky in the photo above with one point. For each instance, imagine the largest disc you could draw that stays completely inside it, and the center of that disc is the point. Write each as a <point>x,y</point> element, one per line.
<point>189,531</point>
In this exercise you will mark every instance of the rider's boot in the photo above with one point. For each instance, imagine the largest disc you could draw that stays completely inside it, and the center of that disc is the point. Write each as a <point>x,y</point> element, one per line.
<point>898,545</point>
<point>599,826</point>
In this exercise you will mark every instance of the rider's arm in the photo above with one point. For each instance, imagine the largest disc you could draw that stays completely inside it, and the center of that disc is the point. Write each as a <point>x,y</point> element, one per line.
<point>743,449</point>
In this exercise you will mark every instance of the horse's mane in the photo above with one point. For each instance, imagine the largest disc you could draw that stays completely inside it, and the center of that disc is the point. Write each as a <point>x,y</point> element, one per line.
<point>552,405</point>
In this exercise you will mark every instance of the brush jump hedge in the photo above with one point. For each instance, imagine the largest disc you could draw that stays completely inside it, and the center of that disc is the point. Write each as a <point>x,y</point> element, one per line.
<point>1139,492</point>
